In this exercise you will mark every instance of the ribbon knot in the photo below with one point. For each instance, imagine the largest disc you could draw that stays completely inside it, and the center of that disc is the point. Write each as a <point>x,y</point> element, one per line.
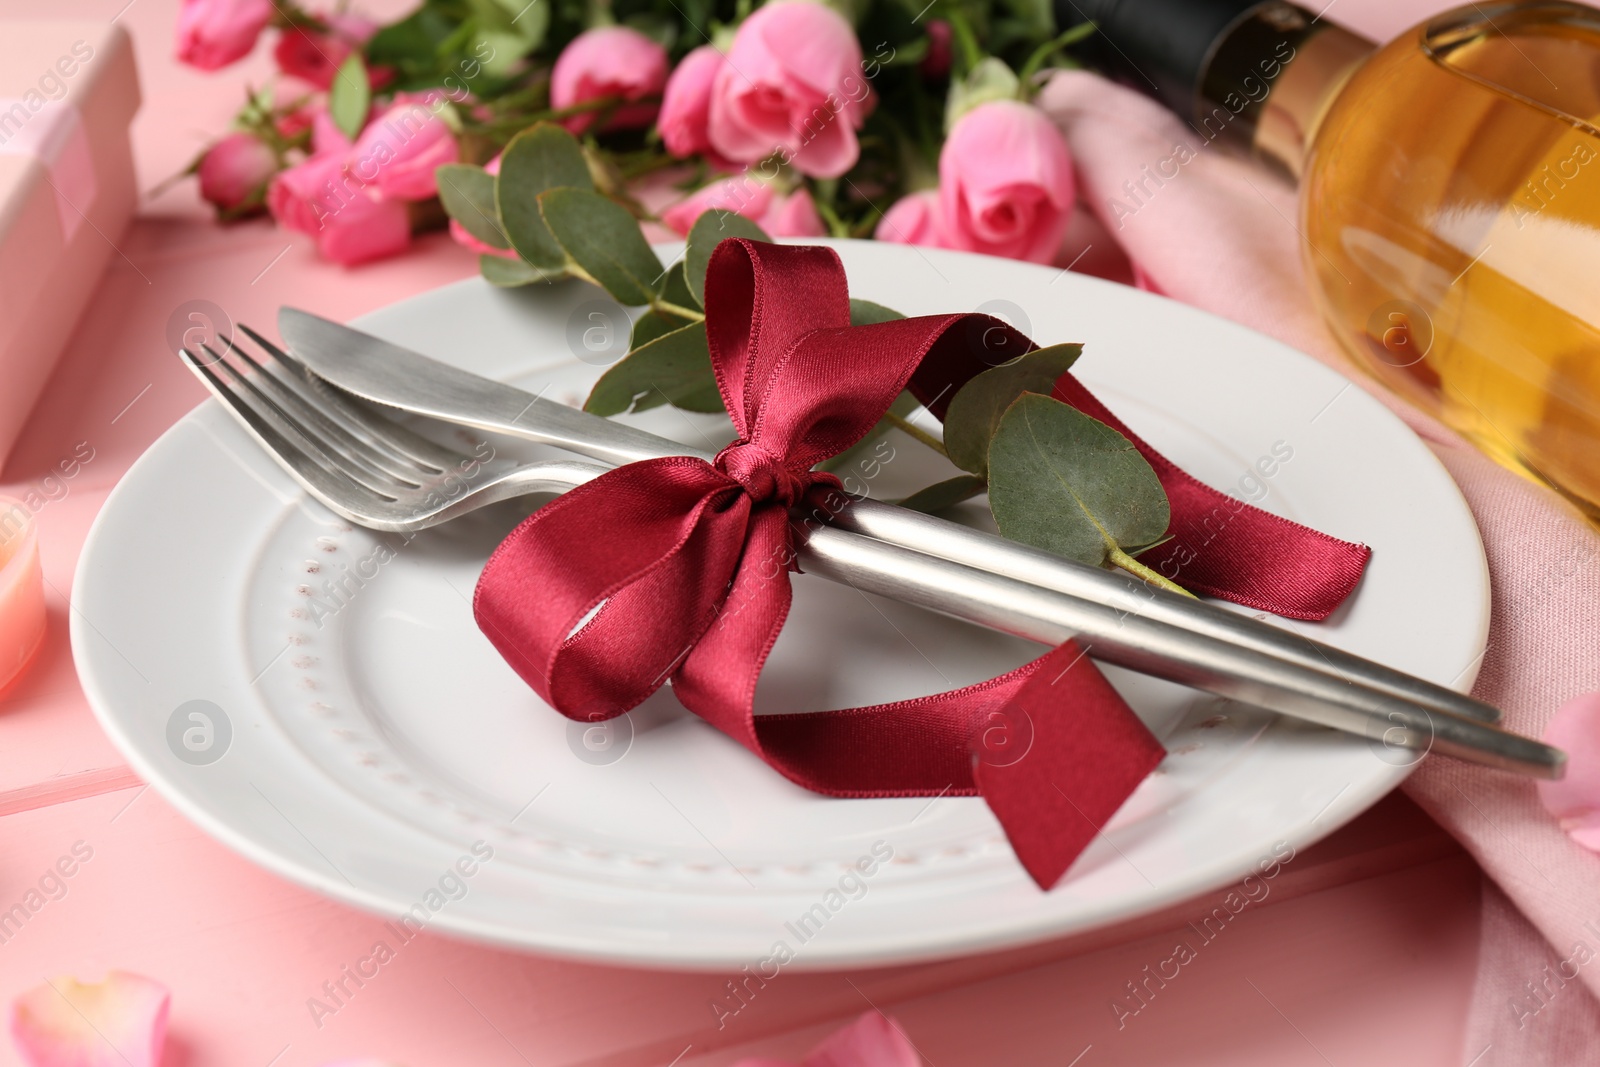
<point>766,477</point>
<point>679,569</point>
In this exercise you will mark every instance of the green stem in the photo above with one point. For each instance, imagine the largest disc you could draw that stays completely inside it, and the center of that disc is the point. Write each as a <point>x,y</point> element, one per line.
<point>679,310</point>
<point>915,432</point>
<point>971,53</point>
<point>1121,559</point>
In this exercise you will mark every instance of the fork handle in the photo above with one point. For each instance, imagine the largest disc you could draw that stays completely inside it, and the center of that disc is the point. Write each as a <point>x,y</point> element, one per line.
<point>551,423</point>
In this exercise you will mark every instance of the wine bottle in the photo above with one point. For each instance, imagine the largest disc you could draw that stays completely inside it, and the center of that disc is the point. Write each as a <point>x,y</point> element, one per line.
<point>1450,194</point>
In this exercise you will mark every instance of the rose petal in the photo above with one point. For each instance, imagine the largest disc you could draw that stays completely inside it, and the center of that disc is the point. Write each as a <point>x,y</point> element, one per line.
<point>874,1040</point>
<point>120,1021</point>
<point>1575,799</point>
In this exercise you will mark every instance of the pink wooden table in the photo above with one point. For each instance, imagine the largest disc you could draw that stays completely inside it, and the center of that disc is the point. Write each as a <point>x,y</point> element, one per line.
<point>1364,953</point>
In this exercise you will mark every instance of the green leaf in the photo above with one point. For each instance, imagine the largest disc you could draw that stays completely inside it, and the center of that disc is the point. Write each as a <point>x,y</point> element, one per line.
<point>866,313</point>
<point>975,410</point>
<point>540,158</point>
<point>509,273</point>
<point>675,287</point>
<point>990,80</point>
<point>653,324</point>
<point>1067,483</point>
<point>945,494</point>
<point>707,232</point>
<point>467,193</point>
<point>672,369</point>
<point>350,96</point>
<point>602,238</point>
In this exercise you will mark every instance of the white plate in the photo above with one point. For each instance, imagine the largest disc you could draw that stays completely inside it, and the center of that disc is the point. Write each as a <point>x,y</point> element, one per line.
<point>362,751</point>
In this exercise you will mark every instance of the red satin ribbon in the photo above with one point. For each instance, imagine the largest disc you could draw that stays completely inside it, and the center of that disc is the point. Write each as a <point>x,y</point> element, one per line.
<point>689,563</point>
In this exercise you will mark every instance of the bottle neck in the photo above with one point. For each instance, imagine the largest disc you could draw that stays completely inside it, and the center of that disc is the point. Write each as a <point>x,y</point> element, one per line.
<point>1276,72</point>
<point>1257,74</point>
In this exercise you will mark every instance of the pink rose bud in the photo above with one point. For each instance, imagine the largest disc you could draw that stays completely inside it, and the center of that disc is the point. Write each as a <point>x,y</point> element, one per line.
<point>214,33</point>
<point>793,84</point>
<point>400,148</point>
<point>1575,799</point>
<point>311,56</point>
<point>326,136</point>
<point>462,237</point>
<point>912,220</point>
<point>612,61</point>
<point>315,57</point>
<point>300,196</point>
<point>1005,183</point>
<point>794,215</point>
<point>740,193</point>
<point>936,62</point>
<point>352,220</point>
<point>686,106</point>
<point>120,1021</point>
<point>367,227</point>
<point>235,172</point>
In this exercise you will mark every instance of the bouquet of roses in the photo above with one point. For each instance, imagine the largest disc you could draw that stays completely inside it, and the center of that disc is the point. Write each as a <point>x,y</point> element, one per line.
<point>906,120</point>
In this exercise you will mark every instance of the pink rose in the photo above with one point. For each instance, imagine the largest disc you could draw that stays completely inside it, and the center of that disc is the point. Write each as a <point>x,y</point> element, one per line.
<point>214,33</point>
<point>235,172</point>
<point>1005,183</point>
<point>365,228</point>
<point>913,220</point>
<point>936,63</point>
<point>686,106</point>
<point>400,148</point>
<point>462,237</point>
<point>352,220</point>
<point>792,84</point>
<point>315,57</point>
<point>311,56</point>
<point>612,61</point>
<point>794,215</point>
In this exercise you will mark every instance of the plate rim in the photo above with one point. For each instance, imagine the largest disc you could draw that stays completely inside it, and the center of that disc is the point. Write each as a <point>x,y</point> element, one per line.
<point>992,937</point>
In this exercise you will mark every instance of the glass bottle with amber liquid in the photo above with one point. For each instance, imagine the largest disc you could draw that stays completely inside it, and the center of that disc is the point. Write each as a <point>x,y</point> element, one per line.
<point>1450,194</point>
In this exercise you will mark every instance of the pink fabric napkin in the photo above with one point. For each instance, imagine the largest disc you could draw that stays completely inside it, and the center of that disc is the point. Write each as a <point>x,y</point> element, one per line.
<point>1221,236</point>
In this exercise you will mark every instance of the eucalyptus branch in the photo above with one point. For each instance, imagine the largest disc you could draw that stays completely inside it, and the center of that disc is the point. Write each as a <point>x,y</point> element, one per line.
<point>915,432</point>
<point>1119,558</point>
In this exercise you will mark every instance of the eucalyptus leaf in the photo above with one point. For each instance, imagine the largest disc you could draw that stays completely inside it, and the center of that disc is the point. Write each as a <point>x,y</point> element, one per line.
<point>350,96</point>
<point>505,273</point>
<point>945,494</point>
<point>1067,483</point>
<point>602,238</point>
<point>708,231</point>
<point>540,158</point>
<point>467,193</point>
<point>975,410</point>
<point>674,369</point>
<point>651,325</point>
<point>866,313</point>
<point>675,287</point>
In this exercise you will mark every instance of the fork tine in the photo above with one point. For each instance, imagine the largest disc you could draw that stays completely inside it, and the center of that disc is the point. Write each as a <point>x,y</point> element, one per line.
<point>295,453</point>
<point>379,429</point>
<point>332,452</point>
<point>291,398</point>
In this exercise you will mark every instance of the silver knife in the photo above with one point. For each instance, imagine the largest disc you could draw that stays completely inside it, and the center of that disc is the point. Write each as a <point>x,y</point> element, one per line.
<point>1125,620</point>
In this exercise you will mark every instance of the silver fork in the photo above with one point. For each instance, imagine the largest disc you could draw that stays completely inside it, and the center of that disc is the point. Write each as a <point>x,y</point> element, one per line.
<point>376,473</point>
<point>363,467</point>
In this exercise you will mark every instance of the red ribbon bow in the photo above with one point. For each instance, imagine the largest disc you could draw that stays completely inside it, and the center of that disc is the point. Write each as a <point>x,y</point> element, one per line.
<point>689,563</point>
